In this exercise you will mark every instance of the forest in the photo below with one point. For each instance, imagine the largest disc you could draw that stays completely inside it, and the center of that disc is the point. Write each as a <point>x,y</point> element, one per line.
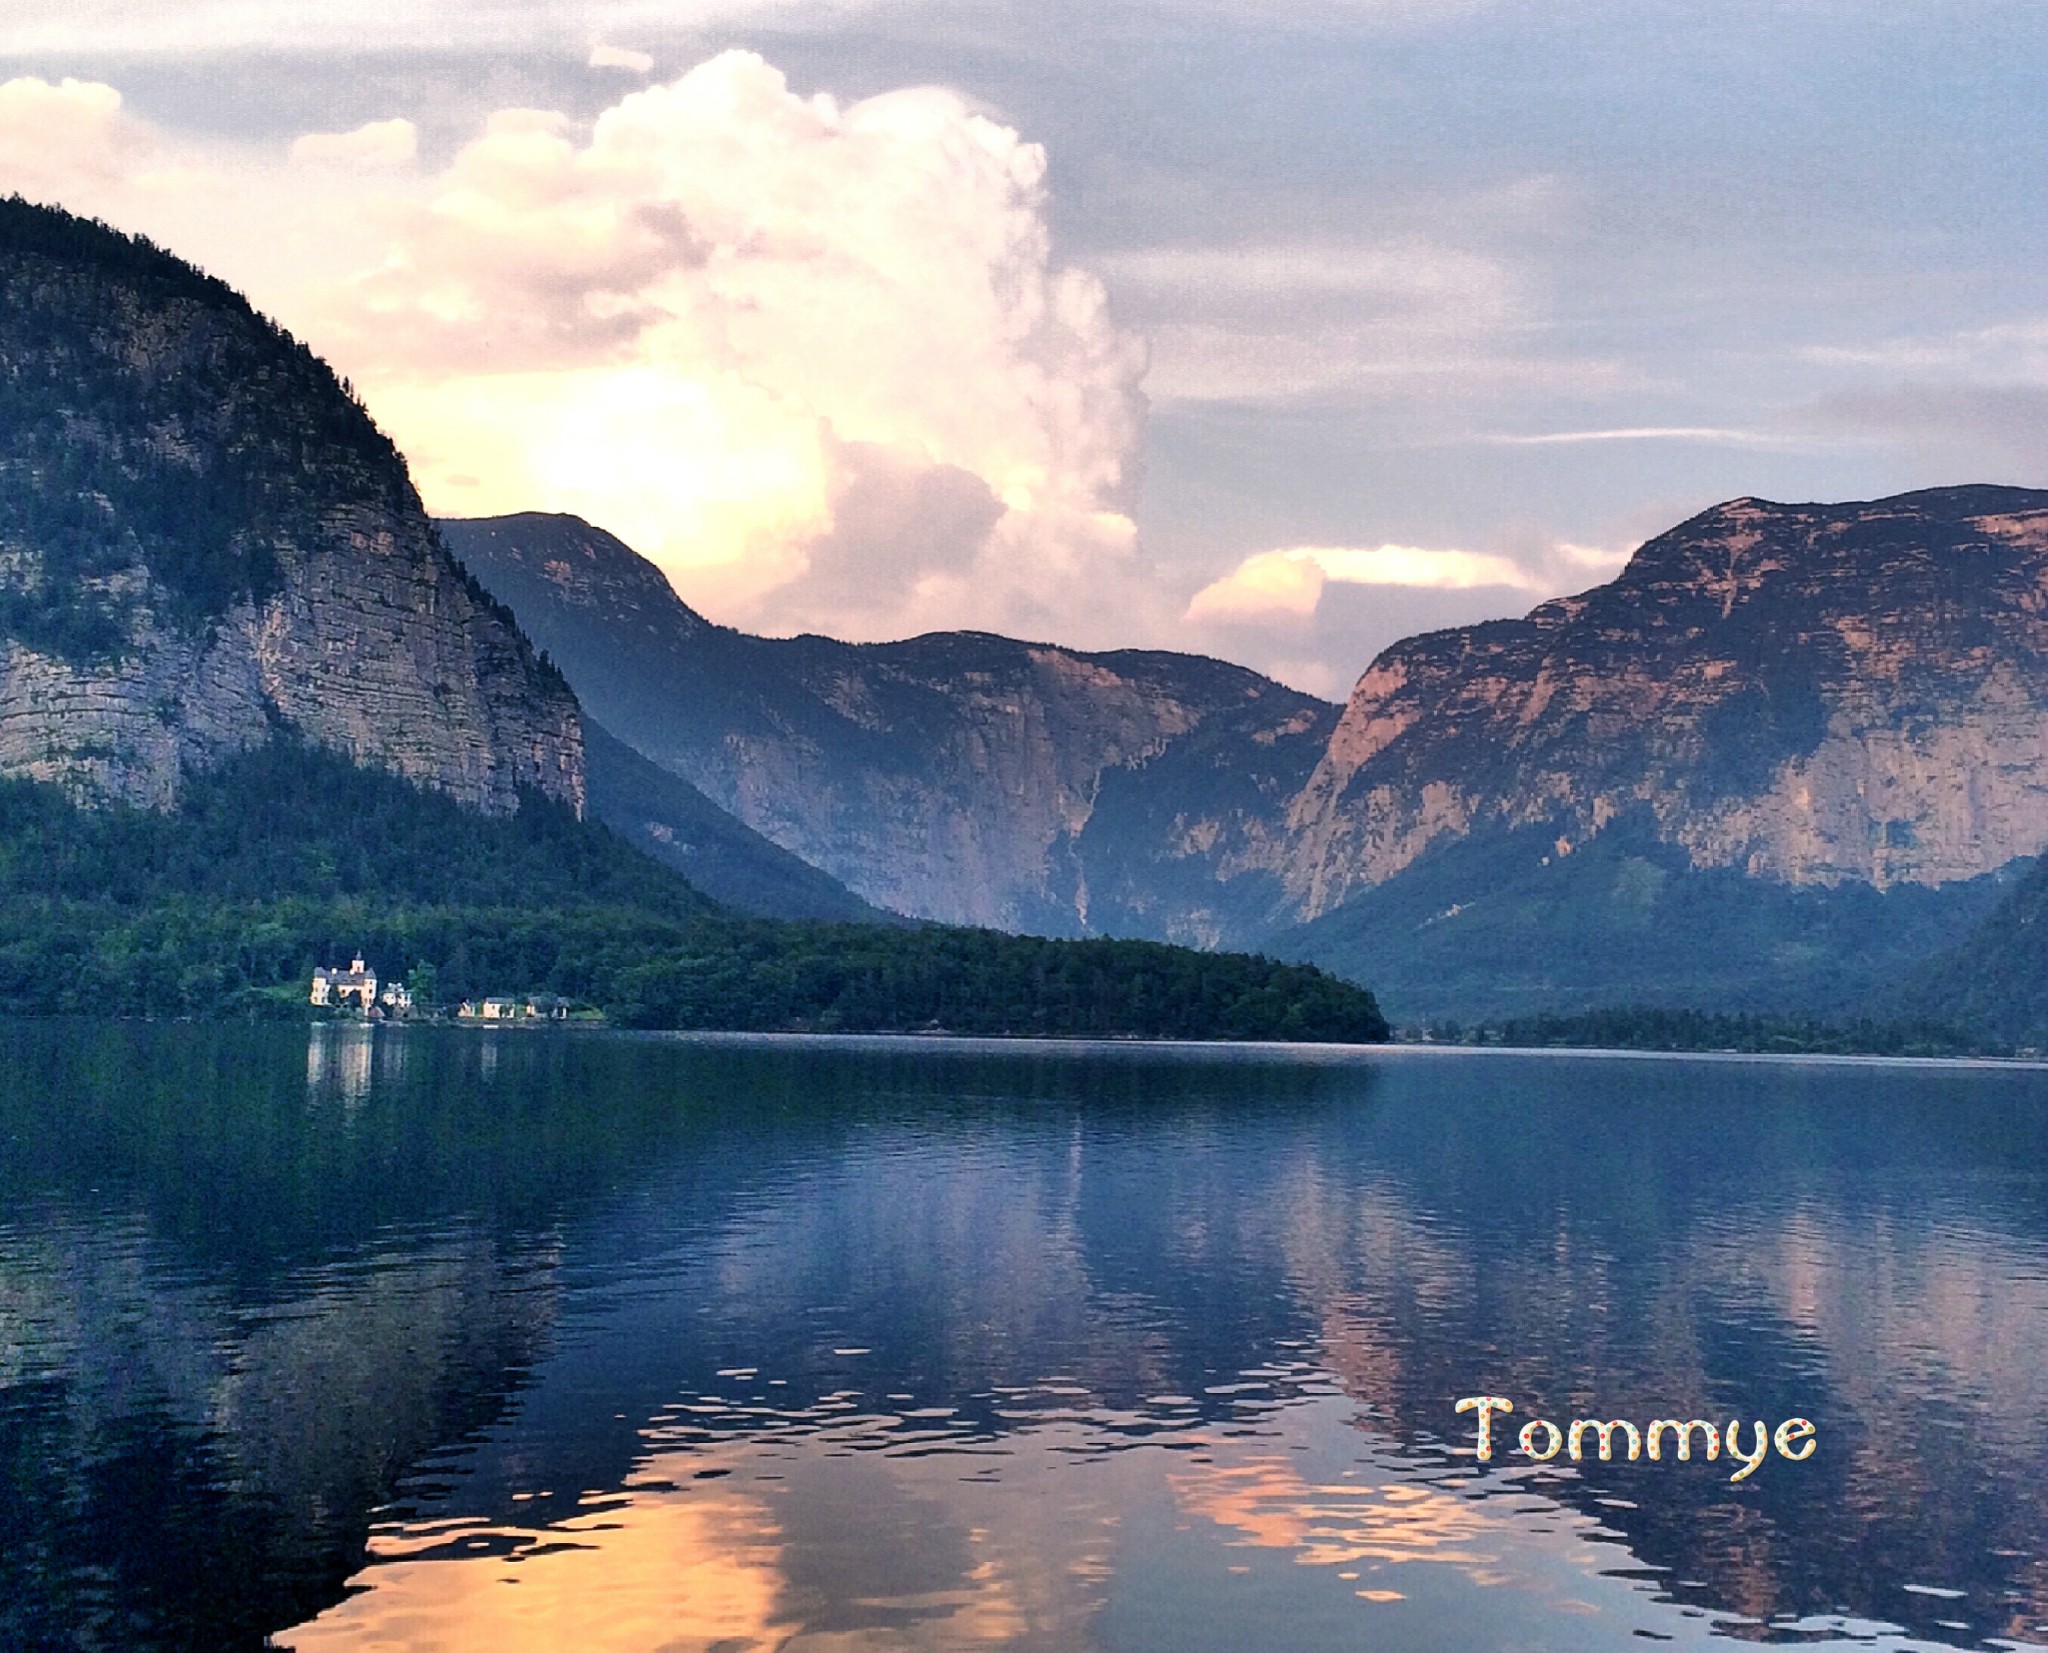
<point>287,857</point>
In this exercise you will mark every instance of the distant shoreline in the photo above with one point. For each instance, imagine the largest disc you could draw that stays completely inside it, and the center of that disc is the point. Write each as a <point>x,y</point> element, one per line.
<point>1324,1052</point>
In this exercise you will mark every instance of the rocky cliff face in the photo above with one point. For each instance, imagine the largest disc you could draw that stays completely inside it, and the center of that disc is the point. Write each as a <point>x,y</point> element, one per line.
<point>1808,694</point>
<point>955,776</point>
<point>1778,761</point>
<point>203,538</point>
<point>669,820</point>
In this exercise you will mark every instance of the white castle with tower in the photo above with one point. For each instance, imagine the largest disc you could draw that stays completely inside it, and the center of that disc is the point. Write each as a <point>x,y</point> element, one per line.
<point>356,988</point>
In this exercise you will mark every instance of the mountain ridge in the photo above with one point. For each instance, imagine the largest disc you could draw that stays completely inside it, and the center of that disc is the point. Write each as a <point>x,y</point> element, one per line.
<point>204,537</point>
<point>1775,714</point>
<point>253,713</point>
<point>1792,752</point>
<point>1783,686</point>
<point>950,776</point>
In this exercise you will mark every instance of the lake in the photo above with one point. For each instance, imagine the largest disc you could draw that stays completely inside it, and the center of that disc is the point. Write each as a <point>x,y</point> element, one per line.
<point>454,1340</point>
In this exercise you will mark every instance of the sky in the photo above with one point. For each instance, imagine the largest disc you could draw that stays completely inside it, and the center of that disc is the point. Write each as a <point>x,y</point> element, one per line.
<point>1273,331</point>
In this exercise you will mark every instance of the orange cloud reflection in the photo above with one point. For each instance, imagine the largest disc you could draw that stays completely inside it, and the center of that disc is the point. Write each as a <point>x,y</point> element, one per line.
<point>684,1575</point>
<point>674,1564</point>
<point>1333,1524</point>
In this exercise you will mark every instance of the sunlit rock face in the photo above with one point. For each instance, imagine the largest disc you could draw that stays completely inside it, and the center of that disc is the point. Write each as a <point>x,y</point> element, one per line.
<point>203,539</point>
<point>957,776</point>
<point>1811,694</point>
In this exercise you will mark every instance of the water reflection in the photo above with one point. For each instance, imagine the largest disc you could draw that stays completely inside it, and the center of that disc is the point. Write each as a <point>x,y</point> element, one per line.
<point>637,1343</point>
<point>344,1059</point>
<point>810,1538</point>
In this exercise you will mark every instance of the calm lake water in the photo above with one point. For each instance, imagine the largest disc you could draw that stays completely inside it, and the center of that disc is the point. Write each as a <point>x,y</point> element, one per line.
<point>522,1341</point>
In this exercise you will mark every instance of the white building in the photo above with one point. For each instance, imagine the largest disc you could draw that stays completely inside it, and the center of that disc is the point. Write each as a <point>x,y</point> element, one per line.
<point>356,986</point>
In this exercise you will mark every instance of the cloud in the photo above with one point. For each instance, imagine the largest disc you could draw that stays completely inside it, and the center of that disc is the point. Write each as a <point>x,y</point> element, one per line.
<point>1635,433</point>
<point>1291,582</point>
<point>2007,349</point>
<point>73,143</point>
<point>618,57</point>
<point>816,360</point>
<point>1312,616</point>
<point>1282,321</point>
<point>76,27</point>
<point>1952,424</point>
<point>1322,14</point>
<point>82,27</point>
<point>1400,275</point>
<point>242,211</point>
<point>926,524</point>
<point>63,139</point>
<point>379,144</point>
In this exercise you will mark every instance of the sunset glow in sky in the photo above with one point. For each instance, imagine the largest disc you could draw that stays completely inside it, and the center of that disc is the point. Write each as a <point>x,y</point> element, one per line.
<point>1174,325</point>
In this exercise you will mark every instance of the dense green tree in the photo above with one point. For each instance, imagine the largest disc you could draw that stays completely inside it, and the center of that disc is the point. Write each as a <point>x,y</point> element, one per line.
<point>287,857</point>
<point>1654,1027</point>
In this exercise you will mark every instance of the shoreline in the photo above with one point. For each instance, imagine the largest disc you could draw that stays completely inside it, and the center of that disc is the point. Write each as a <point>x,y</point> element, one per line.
<point>1242,1048</point>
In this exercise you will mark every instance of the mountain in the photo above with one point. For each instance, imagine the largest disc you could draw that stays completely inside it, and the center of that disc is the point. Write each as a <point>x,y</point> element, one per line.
<point>254,717</point>
<point>1811,693</point>
<point>1790,754</point>
<point>1497,926</point>
<point>204,540</point>
<point>1994,980</point>
<point>957,776</point>
<point>1790,750</point>
<point>666,818</point>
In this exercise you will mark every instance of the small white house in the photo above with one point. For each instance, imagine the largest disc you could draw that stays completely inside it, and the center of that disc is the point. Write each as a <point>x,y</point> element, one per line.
<point>536,1007</point>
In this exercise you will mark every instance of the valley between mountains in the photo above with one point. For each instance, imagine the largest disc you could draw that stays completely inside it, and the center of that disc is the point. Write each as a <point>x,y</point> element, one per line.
<point>1791,759</point>
<point>255,705</point>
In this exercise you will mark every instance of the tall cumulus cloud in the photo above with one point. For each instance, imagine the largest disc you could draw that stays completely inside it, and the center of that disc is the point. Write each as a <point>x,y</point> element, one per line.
<point>816,360</point>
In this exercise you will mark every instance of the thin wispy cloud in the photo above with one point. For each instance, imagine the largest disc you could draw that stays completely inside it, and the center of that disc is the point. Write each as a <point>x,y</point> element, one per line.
<point>2004,345</point>
<point>619,57</point>
<point>1282,322</point>
<point>93,28</point>
<point>1944,422</point>
<point>1634,433</point>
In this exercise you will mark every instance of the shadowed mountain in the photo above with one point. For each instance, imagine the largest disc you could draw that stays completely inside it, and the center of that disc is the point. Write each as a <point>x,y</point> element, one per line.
<point>1790,754</point>
<point>1498,925</point>
<point>1995,980</point>
<point>958,776</point>
<point>664,816</point>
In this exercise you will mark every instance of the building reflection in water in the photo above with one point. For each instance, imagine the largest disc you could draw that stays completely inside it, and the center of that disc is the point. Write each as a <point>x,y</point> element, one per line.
<point>338,1060</point>
<point>350,1060</point>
